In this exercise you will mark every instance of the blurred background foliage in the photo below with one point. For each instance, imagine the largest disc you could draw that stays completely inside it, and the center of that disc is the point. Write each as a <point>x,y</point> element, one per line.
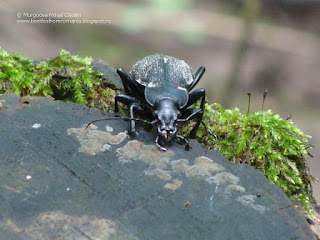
<point>245,45</point>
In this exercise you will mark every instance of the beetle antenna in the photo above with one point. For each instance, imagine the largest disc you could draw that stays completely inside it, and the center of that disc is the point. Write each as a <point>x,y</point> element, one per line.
<point>249,98</point>
<point>127,119</point>
<point>264,98</point>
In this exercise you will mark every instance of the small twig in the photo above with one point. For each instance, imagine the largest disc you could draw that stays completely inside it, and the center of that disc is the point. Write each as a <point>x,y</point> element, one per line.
<point>291,205</point>
<point>310,154</point>
<point>249,95</point>
<point>264,98</point>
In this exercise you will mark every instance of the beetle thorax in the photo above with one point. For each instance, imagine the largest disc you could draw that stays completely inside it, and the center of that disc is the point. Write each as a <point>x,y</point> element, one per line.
<point>167,114</point>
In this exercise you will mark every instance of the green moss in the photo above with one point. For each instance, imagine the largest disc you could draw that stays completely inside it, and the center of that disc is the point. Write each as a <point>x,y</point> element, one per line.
<point>65,77</point>
<point>267,142</point>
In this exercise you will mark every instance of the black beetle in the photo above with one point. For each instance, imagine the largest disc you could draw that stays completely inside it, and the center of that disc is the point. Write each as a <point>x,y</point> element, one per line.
<point>158,86</point>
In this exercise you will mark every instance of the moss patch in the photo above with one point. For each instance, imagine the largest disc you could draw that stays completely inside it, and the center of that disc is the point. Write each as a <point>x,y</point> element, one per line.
<point>65,77</point>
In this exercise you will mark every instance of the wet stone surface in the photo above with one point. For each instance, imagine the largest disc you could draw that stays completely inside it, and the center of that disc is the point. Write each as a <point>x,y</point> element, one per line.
<point>59,180</point>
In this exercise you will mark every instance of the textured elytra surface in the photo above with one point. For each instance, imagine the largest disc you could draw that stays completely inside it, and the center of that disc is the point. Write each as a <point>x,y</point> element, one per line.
<point>163,76</point>
<point>50,188</point>
<point>161,67</point>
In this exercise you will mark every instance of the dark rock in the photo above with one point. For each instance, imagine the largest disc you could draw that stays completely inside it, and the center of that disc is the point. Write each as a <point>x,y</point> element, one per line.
<point>110,77</point>
<point>61,181</point>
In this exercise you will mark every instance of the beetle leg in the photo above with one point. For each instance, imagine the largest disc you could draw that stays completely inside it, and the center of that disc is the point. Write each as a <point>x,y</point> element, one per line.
<point>208,130</point>
<point>197,78</point>
<point>187,146</point>
<point>193,97</point>
<point>189,114</point>
<point>125,99</point>
<point>159,146</point>
<point>133,107</point>
<point>133,104</point>
<point>130,86</point>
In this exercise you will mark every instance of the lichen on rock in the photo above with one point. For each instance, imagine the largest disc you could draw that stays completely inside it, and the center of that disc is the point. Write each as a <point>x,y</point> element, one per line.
<point>93,141</point>
<point>58,225</point>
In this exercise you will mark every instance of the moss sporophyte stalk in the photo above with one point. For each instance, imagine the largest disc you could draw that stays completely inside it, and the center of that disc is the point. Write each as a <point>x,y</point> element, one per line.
<point>264,140</point>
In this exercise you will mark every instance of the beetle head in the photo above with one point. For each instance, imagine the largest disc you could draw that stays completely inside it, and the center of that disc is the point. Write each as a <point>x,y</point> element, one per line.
<point>167,115</point>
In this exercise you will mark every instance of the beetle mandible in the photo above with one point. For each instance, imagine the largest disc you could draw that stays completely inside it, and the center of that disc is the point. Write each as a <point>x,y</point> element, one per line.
<point>159,86</point>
